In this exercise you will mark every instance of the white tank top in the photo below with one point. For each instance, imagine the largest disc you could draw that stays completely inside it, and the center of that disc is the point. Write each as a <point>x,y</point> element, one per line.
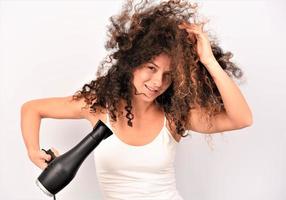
<point>129,172</point>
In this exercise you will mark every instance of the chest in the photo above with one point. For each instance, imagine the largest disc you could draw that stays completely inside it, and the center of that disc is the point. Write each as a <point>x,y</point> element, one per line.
<point>114,156</point>
<point>140,133</point>
<point>136,148</point>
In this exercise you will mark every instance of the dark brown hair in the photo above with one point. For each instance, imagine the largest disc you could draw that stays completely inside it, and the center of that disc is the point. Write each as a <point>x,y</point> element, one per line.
<point>138,34</point>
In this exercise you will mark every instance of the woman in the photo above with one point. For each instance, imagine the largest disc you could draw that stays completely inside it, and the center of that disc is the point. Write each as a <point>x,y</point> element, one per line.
<point>165,77</point>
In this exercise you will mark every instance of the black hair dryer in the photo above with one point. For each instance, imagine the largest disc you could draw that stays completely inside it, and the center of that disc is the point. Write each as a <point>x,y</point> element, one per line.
<point>62,169</point>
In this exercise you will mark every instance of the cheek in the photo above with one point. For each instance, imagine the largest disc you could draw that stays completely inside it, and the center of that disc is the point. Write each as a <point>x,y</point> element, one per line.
<point>142,77</point>
<point>139,77</point>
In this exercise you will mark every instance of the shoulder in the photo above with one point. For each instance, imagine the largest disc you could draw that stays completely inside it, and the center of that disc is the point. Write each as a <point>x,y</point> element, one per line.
<point>93,117</point>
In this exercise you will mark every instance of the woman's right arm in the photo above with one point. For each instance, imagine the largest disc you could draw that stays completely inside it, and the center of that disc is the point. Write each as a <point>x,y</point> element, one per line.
<point>34,110</point>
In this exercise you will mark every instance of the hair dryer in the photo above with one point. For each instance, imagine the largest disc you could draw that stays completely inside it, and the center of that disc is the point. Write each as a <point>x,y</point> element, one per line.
<point>62,169</point>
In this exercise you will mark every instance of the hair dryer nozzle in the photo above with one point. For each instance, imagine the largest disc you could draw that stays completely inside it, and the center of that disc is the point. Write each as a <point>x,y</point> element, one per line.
<point>39,184</point>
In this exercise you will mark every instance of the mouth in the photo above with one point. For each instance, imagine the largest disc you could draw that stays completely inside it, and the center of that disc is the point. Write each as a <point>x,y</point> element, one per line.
<point>151,89</point>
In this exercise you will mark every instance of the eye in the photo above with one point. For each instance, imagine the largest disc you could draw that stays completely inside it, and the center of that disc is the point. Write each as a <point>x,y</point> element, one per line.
<point>151,68</point>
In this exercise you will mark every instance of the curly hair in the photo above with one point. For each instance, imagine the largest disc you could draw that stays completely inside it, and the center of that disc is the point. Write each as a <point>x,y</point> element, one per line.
<point>138,34</point>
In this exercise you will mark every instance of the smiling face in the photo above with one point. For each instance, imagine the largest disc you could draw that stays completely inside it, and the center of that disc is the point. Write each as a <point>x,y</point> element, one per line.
<point>153,78</point>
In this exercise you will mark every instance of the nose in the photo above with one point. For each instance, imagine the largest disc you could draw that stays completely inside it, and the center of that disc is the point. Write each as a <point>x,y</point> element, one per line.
<point>157,81</point>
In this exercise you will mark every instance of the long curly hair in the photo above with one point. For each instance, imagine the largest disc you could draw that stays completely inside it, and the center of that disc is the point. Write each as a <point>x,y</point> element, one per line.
<point>135,36</point>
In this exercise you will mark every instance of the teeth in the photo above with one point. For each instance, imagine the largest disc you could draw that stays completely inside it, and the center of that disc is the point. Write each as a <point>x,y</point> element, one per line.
<point>151,89</point>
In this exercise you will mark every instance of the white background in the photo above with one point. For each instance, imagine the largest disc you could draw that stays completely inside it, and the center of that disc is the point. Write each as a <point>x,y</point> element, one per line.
<point>51,48</point>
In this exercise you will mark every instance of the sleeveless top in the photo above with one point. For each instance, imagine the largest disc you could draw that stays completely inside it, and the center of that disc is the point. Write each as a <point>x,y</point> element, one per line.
<point>144,172</point>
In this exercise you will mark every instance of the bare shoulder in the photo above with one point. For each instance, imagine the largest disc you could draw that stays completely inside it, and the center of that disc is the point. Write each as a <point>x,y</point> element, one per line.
<point>93,117</point>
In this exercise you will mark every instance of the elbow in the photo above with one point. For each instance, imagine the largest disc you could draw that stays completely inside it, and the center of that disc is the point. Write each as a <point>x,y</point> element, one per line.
<point>247,121</point>
<point>24,107</point>
<point>27,107</point>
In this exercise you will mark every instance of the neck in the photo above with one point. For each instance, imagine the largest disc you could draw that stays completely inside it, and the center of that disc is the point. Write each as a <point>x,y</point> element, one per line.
<point>140,109</point>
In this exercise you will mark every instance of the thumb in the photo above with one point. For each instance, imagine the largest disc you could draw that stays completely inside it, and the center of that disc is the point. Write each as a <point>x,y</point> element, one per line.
<point>55,151</point>
<point>45,156</point>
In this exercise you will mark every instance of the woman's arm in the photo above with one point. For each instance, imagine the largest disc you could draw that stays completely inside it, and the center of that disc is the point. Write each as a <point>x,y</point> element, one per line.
<point>234,102</point>
<point>33,111</point>
<point>237,113</point>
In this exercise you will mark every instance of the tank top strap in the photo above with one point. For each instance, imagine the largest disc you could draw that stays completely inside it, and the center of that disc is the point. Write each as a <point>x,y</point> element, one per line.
<point>107,118</point>
<point>165,120</point>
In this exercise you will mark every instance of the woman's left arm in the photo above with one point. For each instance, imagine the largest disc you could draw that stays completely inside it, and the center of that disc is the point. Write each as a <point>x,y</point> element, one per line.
<point>238,113</point>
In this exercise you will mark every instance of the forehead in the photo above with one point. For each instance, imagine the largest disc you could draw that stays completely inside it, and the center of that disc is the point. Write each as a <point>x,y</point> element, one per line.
<point>162,61</point>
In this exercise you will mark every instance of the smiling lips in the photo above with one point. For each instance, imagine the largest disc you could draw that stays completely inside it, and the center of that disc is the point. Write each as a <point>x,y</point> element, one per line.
<point>151,90</point>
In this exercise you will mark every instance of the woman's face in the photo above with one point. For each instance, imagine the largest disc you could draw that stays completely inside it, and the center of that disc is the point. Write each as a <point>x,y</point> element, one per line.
<point>153,78</point>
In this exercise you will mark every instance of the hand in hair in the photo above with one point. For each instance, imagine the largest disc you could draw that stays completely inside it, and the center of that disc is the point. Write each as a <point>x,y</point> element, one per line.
<point>204,49</point>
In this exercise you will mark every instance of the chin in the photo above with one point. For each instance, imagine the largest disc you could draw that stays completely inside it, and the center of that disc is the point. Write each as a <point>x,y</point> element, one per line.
<point>149,99</point>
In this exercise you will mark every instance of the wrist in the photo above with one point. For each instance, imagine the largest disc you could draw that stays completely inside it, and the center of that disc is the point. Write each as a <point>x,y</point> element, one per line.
<point>31,150</point>
<point>210,62</point>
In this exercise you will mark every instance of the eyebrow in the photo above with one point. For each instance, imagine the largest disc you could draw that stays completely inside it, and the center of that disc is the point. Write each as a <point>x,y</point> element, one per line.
<point>158,66</point>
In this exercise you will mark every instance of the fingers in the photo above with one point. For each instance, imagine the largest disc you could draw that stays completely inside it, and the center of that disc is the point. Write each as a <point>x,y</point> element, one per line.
<point>40,157</point>
<point>45,156</point>
<point>194,28</point>
<point>55,151</point>
<point>43,165</point>
<point>193,31</point>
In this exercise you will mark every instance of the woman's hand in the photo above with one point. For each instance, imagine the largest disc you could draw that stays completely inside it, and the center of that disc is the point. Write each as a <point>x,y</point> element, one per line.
<point>38,157</point>
<point>202,41</point>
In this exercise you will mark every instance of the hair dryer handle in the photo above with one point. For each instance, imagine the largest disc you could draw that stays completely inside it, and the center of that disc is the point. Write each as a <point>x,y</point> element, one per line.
<point>50,152</point>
